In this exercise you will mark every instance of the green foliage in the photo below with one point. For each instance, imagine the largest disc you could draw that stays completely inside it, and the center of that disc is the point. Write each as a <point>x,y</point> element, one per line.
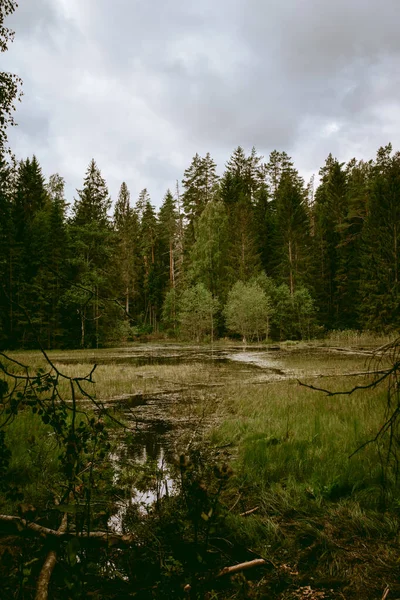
<point>197,309</point>
<point>248,311</point>
<point>294,315</point>
<point>208,256</point>
<point>9,83</point>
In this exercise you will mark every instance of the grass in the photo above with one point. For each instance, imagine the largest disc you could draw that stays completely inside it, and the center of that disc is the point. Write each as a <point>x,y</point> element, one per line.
<point>351,337</point>
<point>34,466</point>
<point>324,521</point>
<point>322,513</point>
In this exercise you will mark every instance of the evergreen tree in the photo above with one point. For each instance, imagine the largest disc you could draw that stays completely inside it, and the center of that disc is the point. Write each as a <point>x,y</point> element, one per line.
<point>292,231</point>
<point>239,186</point>
<point>380,286</point>
<point>152,292</point>
<point>91,237</point>
<point>126,256</point>
<point>200,184</point>
<point>6,244</point>
<point>168,224</point>
<point>28,254</point>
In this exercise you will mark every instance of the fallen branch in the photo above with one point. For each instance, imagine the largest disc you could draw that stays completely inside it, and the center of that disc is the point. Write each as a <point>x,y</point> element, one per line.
<point>258,562</point>
<point>386,593</point>
<point>249,512</point>
<point>102,536</point>
<point>42,588</point>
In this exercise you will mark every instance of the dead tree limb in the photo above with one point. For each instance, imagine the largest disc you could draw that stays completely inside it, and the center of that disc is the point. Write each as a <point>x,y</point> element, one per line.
<point>21,526</point>
<point>42,588</point>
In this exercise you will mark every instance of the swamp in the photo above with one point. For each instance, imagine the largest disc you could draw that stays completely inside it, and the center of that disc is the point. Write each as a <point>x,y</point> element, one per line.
<point>198,458</point>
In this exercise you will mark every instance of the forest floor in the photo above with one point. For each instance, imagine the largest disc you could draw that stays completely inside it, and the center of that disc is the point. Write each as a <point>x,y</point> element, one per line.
<point>325,520</point>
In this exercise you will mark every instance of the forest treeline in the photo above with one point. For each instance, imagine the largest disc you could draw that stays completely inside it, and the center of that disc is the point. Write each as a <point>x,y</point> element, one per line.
<point>255,252</point>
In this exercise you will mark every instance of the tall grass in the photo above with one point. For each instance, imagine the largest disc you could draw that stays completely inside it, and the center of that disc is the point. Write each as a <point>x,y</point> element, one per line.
<point>297,442</point>
<point>352,337</point>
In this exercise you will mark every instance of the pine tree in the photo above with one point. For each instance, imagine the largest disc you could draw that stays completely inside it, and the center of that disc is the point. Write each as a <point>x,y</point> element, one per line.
<point>200,184</point>
<point>380,272</point>
<point>292,231</point>
<point>6,244</point>
<point>239,186</point>
<point>168,225</point>
<point>126,256</point>
<point>152,292</point>
<point>28,253</point>
<point>91,237</point>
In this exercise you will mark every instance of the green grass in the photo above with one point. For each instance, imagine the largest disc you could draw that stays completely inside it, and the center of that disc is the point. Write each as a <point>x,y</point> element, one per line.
<point>34,466</point>
<point>322,513</point>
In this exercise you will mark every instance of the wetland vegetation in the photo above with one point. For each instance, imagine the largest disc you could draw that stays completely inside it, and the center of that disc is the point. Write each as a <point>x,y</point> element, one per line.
<point>224,459</point>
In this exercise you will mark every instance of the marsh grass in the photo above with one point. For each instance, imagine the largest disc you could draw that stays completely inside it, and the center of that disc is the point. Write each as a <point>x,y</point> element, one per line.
<point>322,513</point>
<point>354,338</point>
<point>324,519</point>
<point>294,437</point>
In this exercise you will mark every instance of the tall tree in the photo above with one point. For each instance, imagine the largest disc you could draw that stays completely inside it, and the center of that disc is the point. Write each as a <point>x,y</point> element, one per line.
<point>152,294</point>
<point>168,224</point>
<point>380,274</point>
<point>126,256</point>
<point>239,186</point>
<point>209,253</point>
<point>292,230</point>
<point>28,256</point>
<point>199,184</point>
<point>91,237</point>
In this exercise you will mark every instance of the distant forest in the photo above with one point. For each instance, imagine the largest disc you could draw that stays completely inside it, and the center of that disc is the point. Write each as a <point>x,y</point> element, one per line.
<point>255,253</point>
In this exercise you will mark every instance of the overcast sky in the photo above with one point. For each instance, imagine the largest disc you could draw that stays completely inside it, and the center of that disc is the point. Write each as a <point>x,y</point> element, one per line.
<point>142,85</point>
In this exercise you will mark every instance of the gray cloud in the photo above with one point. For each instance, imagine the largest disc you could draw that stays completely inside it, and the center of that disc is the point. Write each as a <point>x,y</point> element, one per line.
<point>142,86</point>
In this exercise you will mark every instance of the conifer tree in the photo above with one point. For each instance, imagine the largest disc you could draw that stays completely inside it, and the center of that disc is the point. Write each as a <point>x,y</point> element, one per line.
<point>200,184</point>
<point>380,272</point>
<point>292,231</point>
<point>126,256</point>
<point>152,292</point>
<point>239,186</point>
<point>168,225</point>
<point>28,254</point>
<point>91,237</point>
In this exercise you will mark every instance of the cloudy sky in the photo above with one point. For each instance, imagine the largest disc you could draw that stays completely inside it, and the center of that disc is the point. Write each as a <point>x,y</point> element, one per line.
<point>142,85</point>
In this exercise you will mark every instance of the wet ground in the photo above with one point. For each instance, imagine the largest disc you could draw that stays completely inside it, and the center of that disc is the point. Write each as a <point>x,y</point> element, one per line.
<point>162,421</point>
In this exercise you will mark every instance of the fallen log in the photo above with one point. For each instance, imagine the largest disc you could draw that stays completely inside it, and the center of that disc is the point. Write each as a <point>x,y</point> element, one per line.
<point>22,526</point>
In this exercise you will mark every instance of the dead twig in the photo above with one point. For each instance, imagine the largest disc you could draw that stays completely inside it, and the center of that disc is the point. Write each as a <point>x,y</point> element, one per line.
<point>249,512</point>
